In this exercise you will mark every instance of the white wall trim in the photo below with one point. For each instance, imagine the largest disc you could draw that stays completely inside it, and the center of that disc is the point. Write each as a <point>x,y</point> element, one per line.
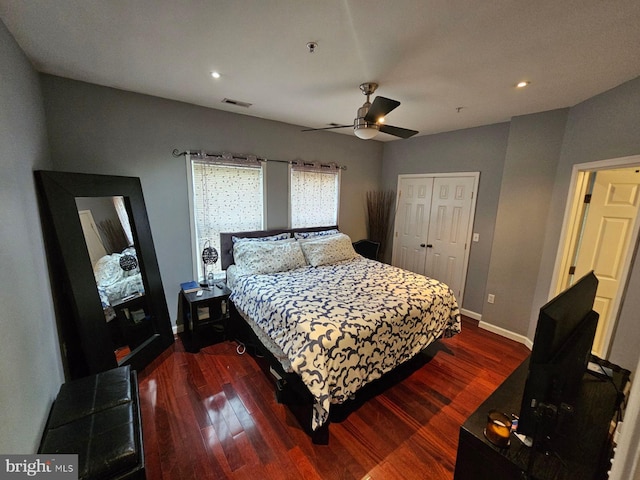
<point>507,334</point>
<point>497,330</point>
<point>609,164</point>
<point>470,314</point>
<point>566,234</point>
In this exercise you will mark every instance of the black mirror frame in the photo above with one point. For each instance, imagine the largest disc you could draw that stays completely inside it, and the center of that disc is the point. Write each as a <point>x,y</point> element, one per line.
<point>81,318</point>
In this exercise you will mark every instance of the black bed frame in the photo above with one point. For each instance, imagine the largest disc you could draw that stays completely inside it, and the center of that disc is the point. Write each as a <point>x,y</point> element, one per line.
<point>289,388</point>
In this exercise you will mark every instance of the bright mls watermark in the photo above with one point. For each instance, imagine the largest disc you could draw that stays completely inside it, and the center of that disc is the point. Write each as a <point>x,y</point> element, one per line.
<point>52,467</point>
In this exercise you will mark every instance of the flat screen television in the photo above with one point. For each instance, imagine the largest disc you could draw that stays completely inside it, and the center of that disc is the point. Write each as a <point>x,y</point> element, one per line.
<point>559,357</point>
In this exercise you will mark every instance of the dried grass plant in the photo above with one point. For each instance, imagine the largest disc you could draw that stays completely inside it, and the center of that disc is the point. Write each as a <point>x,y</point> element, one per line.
<point>379,212</point>
<point>113,235</point>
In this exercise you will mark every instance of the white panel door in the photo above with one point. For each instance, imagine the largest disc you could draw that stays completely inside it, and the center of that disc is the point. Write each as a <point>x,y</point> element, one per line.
<point>412,223</point>
<point>432,227</point>
<point>605,241</point>
<point>449,230</point>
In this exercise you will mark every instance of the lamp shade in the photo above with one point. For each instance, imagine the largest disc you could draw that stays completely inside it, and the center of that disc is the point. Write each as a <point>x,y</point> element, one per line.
<point>209,255</point>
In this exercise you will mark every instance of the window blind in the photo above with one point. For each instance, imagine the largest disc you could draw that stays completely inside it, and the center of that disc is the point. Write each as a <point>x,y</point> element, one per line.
<point>314,197</point>
<point>226,198</point>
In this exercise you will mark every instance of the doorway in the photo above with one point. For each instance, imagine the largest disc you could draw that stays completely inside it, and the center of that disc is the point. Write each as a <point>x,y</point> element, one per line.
<point>432,230</point>
<point>600,232</point>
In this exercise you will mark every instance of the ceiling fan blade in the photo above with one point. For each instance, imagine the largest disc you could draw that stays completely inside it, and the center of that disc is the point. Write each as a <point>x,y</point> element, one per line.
<point>379,108</point>
<point>397,131</point>
<point>326,128</point>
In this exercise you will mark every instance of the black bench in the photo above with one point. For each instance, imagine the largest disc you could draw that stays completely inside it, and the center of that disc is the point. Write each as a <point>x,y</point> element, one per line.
<point>98,418</point>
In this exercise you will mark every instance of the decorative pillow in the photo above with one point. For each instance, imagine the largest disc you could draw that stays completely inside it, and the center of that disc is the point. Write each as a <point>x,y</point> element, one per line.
<point>128,263</point>
<point>280,236</point>
<point>328,249</point>
<point>255,258</point>
<point>321,233</point>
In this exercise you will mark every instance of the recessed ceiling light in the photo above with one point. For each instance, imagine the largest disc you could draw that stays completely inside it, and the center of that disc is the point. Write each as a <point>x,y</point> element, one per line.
<point>215,74</point>
<point>523,84</point>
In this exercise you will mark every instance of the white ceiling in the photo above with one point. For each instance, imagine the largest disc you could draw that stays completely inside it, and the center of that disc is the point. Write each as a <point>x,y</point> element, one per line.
<point>432,55</point>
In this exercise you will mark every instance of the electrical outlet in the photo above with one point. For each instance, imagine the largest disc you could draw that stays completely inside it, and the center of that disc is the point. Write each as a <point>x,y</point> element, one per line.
<point>491,298</point>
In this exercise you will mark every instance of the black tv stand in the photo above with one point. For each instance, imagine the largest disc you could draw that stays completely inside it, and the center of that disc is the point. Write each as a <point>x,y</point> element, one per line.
<point>580,447</point>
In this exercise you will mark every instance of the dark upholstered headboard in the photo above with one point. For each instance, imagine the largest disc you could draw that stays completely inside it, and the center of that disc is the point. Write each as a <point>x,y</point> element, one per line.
<point>226,243</point>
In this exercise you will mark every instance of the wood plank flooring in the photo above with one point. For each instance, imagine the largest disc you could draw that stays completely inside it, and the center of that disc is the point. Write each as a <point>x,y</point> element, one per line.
<point>214,415</point>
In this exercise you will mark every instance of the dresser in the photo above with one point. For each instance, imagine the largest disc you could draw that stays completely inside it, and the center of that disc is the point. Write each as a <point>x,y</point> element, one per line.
<point>581,448</point>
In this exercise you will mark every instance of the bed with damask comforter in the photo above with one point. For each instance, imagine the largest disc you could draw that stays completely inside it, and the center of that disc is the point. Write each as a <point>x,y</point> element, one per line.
<point>117,277</point>
<point>335,318</point>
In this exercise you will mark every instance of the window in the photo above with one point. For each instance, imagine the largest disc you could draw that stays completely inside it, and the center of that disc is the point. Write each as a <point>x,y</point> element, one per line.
<point>227,196</point>
<point>315,195</point>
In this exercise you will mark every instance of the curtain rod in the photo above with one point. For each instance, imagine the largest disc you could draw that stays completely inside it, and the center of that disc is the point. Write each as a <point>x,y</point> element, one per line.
<point>176,153</point>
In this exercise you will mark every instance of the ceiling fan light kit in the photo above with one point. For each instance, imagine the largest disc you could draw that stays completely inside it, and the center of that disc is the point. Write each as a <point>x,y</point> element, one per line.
<point>365,130</point>
<point>369,120</point>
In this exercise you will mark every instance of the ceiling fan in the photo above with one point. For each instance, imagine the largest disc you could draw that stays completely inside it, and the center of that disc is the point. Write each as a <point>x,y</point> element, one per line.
<point>370,119</point>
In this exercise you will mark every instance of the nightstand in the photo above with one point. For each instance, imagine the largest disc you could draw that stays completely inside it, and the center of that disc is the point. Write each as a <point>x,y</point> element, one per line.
<point>134,320</point>
<point>205,314</point>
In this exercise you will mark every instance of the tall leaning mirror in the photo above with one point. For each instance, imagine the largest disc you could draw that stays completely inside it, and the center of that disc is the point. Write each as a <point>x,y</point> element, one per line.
<point>106,282</point>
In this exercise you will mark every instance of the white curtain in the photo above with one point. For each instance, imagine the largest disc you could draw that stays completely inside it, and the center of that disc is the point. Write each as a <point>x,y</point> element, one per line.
<point>121,209</point>
<point>227,197</point>
<point>315,195</point>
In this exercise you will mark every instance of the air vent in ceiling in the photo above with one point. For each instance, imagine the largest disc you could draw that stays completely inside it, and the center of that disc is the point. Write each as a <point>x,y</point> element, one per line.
<point>237,103</point>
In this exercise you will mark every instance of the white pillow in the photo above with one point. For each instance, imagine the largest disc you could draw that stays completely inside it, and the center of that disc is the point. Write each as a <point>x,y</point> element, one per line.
<point>255,258</point>
<point>280,236</point>
<point>328,249</point>
<point>321,233</point>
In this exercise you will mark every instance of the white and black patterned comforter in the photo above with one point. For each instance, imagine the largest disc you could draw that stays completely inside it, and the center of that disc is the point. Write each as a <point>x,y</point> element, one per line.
<point>347,324</point>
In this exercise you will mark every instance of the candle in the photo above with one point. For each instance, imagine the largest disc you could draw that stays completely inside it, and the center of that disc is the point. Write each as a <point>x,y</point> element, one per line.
<point>498,428</point>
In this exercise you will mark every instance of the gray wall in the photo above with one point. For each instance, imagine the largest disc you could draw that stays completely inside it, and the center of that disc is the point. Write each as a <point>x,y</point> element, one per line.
<point>529,158</point>
<point>525,197</point>
<point>30,364</point>
<point>603,127</point>
<point>481,149</point>
<point>95,129</point>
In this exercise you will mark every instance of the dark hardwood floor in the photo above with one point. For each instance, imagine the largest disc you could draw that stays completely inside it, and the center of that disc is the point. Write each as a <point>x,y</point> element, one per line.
<point>214,415</point>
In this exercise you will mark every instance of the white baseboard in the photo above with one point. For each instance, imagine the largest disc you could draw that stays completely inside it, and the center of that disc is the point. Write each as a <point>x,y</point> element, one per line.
<point>506,333</point>
<point>470,314</point>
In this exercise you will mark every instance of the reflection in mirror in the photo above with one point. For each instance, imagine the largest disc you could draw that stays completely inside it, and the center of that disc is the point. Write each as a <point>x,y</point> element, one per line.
<point>108,236</point>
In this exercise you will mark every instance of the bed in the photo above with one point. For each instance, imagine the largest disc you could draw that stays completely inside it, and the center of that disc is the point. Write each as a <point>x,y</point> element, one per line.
<point>329,316</point>
<point>118,279</point>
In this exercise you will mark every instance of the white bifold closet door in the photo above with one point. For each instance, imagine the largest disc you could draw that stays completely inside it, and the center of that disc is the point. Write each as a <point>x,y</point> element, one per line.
<point>433,224</point>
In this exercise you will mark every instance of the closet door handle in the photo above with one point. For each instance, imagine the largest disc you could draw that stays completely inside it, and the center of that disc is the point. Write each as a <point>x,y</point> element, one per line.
<point>422,245</point>
<point>426,245</point>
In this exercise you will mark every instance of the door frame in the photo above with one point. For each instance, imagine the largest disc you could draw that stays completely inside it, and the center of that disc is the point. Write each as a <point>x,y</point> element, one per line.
<point>474,196</point>
<point>570,225</point>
